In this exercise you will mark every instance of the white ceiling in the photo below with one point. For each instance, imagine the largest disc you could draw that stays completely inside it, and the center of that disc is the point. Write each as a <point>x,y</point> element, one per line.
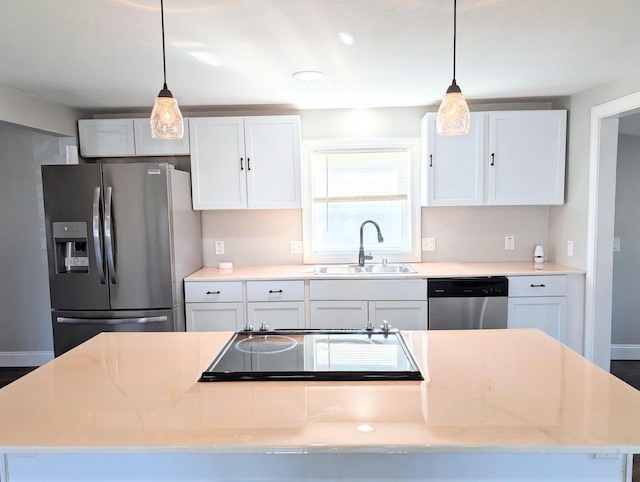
<point>102,54</point>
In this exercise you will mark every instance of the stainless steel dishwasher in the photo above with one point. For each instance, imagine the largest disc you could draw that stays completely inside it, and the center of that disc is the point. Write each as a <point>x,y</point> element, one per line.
<point>468,303</point>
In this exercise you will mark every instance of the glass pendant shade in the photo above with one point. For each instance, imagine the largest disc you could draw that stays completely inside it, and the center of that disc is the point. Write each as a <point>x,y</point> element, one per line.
<point>166,119</point>
<point>453,115</point>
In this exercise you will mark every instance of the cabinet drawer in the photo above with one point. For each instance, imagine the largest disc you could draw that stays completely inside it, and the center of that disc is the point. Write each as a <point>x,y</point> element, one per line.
<point>537,286</point>
<point>212,291</point>
<point>275,290</point>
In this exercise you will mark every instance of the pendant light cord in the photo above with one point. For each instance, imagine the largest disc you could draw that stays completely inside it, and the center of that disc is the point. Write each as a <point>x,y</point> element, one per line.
<point>454,40</point>
<point>164,61</point>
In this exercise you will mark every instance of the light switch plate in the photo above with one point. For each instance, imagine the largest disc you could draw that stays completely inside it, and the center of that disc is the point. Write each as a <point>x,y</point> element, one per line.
<point>295,247</point>
<point>428,244</point>
<point>219,247</point>
<point>569,248</point>
<point>616,245</point>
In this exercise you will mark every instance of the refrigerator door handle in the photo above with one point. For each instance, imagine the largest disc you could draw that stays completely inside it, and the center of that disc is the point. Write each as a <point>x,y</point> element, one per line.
<point>108,236</point>
<point>110,321</point>
<point>96,233</point>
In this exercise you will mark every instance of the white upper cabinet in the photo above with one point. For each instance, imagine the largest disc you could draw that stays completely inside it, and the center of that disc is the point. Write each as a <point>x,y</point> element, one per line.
<point>148,146</point>
<point>508,158</point>
<point>126,137</point>
<point>106,137</point>
<point>453,173</point>
<point>527,157</point>
<point>245,162</point>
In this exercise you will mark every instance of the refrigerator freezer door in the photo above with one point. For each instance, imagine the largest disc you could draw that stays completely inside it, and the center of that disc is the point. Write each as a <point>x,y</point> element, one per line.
<point>70,328</point>
<point>137,228</point>
<point>72,198</point>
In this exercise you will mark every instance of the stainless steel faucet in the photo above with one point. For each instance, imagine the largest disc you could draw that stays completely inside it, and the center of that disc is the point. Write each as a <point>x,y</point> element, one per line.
<point>361,256</point>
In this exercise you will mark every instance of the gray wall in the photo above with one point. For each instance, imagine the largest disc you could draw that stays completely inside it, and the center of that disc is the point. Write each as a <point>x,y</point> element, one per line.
<point>30,111</point>
<point>25,323</point>
<point>569,221</point>
<point>625,328</point>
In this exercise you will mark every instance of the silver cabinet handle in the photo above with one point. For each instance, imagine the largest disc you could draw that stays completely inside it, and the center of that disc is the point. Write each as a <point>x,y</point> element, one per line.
<point>97,245</point>
<point>110,321</point>
<point>538,286</point>
<point>108,237</point>
<point>213,292</point>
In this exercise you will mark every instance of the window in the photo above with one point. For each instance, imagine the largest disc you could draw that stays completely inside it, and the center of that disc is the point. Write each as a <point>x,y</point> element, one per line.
<point>348,182</point>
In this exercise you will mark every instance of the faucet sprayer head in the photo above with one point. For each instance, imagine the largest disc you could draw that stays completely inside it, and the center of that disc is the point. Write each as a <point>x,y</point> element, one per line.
<point>380,238</point>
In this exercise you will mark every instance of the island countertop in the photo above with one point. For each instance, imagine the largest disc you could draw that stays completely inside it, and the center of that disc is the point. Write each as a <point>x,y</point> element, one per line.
<point>485,391</point>
<point>423,270</point>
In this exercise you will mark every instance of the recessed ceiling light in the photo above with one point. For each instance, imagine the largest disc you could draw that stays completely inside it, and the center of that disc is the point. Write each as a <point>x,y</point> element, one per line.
<point>365,427</point>
<point>346,38</point>
<point>308,75</point>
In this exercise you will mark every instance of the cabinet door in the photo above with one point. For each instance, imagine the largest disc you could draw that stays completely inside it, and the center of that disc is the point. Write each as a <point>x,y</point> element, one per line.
<point>273,162</point>
<point>527,157</point>
<point>148,146</point>
<point>454,165</point>
<point>278,315</point>
<point>549,314</point>
<point>106,137</point>
<point>338,314</point>
<point>403,315</point>
<point>214,316</point>
<point>218,163</point>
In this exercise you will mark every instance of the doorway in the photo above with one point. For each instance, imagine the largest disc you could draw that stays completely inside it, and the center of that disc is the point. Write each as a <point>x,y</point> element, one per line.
<point>602,182</point>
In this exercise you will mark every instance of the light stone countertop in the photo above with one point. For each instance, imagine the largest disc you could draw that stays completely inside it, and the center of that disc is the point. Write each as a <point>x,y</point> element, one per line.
<point>485,391</point>
<point>423,270</point>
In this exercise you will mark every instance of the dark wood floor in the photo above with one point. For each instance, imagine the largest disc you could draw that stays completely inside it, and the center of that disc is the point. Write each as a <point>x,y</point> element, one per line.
<point>10,374</point>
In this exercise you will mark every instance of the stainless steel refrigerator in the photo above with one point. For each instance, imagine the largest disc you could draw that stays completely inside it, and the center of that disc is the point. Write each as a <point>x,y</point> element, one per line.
<point>120,239</point>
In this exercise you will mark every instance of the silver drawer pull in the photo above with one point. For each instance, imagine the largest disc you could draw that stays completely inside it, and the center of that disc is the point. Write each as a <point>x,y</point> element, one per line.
<point>275,291</point>
<point>538,286</point>
<point>213,292</point>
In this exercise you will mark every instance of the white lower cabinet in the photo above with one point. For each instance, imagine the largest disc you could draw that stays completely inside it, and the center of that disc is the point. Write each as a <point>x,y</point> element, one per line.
<point>278,315</point>
<point>539,302</point>
<point>339,314</point>
<point>214,305</point>
<point>278,304</point>
<point>214,316</point>
<point>353,303</point>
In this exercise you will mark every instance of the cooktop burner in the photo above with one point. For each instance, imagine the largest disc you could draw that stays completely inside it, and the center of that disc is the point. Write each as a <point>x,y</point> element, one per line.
<point>325,355</point>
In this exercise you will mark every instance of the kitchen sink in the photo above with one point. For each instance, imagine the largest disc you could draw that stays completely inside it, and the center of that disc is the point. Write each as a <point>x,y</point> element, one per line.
<point>367,269</point>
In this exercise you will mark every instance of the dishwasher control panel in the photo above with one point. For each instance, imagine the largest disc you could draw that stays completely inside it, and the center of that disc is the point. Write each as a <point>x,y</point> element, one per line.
<point>468,287</point>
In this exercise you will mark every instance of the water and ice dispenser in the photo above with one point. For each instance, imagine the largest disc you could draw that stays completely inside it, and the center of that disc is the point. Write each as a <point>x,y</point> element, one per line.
<point>70,240</point>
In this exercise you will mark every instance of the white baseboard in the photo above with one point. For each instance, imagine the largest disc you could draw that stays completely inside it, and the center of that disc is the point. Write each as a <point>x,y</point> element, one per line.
<point>25,358</point>
<point>625,352</point>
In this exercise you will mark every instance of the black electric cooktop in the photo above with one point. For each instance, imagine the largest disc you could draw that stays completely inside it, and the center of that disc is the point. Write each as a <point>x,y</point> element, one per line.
<point>323,355</point>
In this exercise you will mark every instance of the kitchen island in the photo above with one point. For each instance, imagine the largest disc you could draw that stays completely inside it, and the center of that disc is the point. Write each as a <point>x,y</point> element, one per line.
<point>494,405</point>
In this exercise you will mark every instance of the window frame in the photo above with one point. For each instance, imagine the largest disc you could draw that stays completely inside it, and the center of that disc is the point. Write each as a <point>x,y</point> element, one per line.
<point>413,146</point>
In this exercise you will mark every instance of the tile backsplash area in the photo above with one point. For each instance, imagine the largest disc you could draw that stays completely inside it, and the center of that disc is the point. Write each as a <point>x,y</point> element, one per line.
<point>261,237</point>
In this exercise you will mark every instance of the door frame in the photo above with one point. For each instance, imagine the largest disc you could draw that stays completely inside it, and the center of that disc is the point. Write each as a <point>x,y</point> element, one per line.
<point>602,182</point>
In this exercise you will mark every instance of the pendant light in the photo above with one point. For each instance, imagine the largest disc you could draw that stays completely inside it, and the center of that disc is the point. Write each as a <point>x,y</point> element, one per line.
<point>453,115</point>
<point>166,118</point>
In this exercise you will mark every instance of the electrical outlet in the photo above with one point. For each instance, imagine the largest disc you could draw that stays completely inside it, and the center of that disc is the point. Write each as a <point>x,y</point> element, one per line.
<point>295,247</point>
<point>569,248</point>
<point>219,247</point>
<point>428,244</point>
<point>616,245</point>
<point>509,243</point>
